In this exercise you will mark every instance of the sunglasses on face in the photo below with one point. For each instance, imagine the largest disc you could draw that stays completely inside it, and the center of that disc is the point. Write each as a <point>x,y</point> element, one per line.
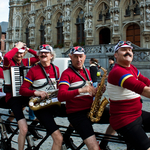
<point>79,49</point>
<point>46,47</point>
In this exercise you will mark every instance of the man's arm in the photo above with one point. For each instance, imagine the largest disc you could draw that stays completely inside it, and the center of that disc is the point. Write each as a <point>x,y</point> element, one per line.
<point>32,60</point>
<point>8,56</point>
<point>25,91</point>
<point>146,92</point>
<point>64,94</point>
<point>144,79</point>
<point>33,52</point>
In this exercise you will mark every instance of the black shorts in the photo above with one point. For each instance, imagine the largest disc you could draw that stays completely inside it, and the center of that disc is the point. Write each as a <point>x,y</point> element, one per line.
<point>82,123</point>
<point>46,117</point>
<point>3,103</point>
<point>134,133</point>
<point>16,104</point>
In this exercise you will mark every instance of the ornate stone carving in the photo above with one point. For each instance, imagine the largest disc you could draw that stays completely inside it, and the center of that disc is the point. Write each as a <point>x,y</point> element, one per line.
<point>116,19</point>
<point>67,43</point>
<point>148,14</point>
<point>89,23</point>
<point>116,3</point>
<point>67,11</point>
<point>67,27</point>
<point>32,33</point>
<point>17,35</point>
<point>32,19</point>
<point>49,15</point>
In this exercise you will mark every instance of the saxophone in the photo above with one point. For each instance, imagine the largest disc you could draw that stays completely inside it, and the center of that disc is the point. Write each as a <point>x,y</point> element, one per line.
<point>98,106</point>
<point>36,103</point>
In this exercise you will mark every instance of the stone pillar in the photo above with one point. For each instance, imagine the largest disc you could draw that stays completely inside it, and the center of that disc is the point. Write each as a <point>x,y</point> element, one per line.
<point>88,25</point>
<point>47,23</point>
<point>66,26</point>
<point>145,22</point>
<point>114,18</point>
<point>32,28</point>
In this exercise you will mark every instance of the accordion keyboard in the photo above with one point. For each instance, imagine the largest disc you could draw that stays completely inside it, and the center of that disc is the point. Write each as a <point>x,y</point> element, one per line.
<point>17,76</point>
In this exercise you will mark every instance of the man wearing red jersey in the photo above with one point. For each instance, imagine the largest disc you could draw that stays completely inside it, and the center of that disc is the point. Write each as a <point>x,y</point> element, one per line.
<point>43,78</point>
<point>76,89</point>
<point>15,58</point>
<point>124,87</point>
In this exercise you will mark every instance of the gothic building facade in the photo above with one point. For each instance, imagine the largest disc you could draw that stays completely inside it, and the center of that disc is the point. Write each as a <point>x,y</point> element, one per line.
<point>65,23</point>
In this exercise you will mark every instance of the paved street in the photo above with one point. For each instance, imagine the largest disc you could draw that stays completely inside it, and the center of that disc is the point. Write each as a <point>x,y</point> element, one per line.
<point>63,121</point>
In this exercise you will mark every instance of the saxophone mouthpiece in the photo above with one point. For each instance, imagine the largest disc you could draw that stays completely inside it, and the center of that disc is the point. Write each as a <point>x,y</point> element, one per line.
<point>99,67</point>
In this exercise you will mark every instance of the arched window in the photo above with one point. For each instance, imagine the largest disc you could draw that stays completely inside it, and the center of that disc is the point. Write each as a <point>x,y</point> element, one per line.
<point>27,36</point>
<point>100,16</point>
<point>106,14</point>
<point>17,22</point>
<point>136,10</point>
<point>42,33</point>
<point>80,27</point>
<point>60,36</point>
<point>127,11</point>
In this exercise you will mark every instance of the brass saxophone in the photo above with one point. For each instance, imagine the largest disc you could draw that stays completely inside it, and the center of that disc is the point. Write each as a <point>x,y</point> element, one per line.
<point>98,106</point>
<point>36,103</point>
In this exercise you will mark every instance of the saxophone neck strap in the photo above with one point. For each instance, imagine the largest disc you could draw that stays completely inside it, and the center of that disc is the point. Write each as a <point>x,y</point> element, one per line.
<point>84,81</point>
<point>47,80</point>
<point>79,74</point>
<point>56,76</point>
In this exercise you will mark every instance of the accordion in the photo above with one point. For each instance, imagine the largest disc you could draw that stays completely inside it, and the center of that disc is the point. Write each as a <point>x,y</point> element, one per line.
<point>17,77</point>
<point>14,79</point>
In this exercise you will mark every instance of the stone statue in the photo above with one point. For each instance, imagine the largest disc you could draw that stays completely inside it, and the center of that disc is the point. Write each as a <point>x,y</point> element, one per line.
<point>32,19</point>
<point>148,14</point>
<point>32,32</point>
<point>48,30</point>
<point>116,18</point>
<point>86,24</point>
<point>67,11</point>
<point>68,27</point>
<point>90,23</point>
<point>110,3</point>
<point>116,3</point>
<point>49,15</point>
<point>90,8</point>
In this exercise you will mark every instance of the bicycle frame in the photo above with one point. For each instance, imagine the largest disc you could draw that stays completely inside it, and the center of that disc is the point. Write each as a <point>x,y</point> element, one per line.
<point>69,143</point>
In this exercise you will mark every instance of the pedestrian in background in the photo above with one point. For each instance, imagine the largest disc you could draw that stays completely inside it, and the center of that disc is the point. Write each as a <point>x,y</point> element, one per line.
<point>94,71</point>
<point>111,63</point>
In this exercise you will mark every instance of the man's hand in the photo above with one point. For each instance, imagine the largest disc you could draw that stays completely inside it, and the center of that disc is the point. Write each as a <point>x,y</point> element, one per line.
<point>20,45</point>
<point>41,94</point>
<point>88,89</point>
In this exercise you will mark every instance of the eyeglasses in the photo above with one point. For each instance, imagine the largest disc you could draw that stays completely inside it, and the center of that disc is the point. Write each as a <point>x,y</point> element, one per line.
<point>45,47</point>
<point>79,49</point>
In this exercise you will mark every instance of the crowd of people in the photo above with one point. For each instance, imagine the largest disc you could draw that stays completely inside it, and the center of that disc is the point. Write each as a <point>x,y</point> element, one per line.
<point>76,87</point>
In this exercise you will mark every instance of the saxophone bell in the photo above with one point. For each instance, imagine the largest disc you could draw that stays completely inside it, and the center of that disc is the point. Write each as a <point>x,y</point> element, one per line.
<point>36,103</point>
